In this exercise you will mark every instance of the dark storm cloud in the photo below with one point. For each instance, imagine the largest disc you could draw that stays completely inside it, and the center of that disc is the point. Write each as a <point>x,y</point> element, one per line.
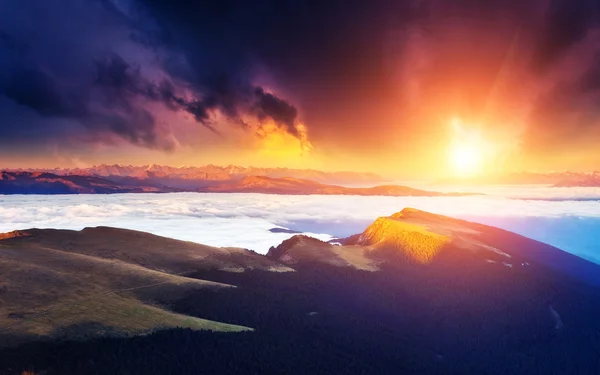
<point>319,53</point>
<point>566,115</point>
<point>49,66</point>
<point>39,92</point>
<point>270,106</point>
<point>565,24</point>
<point>112,63</point>
<point>36,90</point>
<point>122,83</point>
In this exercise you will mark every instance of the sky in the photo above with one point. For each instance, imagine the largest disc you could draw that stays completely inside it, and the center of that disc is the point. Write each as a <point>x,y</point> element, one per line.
<point>404,88</point>
<point>568,218</point>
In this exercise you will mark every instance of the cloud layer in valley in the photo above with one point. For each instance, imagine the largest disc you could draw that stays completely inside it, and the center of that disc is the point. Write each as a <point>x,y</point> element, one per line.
<point>244,220</point>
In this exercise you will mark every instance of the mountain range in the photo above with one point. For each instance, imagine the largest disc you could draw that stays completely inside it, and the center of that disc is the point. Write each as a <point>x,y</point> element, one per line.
<point>189,177</point>
<point>48,183</point>
<point>582,180</point>
<point>293,186</point>
<point>414,293</point>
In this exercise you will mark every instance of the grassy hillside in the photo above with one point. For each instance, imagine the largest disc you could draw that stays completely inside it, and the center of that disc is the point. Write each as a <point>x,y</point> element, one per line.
<point>103,281</point>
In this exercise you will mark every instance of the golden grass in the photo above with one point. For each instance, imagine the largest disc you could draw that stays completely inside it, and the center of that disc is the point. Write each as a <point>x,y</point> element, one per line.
<point>421,236</point>
<point>417,242</point>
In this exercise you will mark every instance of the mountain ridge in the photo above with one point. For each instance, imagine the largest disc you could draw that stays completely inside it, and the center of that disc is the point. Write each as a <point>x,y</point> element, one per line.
<point>47,183</point>
<point>209,172</point>
<point>418,237</point>
<point>40,182</point>
<point>263,184</point>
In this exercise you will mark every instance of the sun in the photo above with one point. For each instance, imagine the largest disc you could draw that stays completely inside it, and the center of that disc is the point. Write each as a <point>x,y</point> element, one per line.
<point>467,151</point>
<point>465,159</point>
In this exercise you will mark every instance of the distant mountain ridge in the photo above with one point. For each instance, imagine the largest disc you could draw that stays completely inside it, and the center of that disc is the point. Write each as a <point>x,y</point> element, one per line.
<point>268,185</point>
<point>165,174</point>
<point>584,180</point>
<point>556,179</point>
<point>49,183</point>
<point>192,177</point>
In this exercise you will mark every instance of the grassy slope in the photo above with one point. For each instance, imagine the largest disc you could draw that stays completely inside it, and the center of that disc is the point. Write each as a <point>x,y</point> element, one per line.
<point>144,249</point>
<point>45,289</point>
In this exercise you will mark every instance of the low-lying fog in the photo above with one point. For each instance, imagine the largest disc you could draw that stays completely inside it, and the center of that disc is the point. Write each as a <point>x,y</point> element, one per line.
<point>568,218</point>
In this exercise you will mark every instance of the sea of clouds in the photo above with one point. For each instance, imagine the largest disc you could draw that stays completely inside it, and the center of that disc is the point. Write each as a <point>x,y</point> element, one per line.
<point>568,218</point>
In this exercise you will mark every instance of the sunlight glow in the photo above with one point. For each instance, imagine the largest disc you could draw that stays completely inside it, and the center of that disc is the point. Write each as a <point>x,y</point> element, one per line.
<point>277,142</point>
<point>465,159</point>
<point>467,151</point>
